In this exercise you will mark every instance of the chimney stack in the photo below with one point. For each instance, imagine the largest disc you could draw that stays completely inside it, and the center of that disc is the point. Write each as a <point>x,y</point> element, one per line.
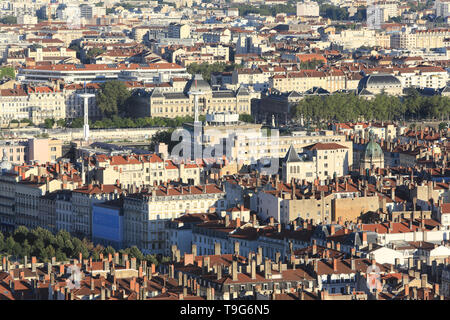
<point>236,248</point>
<point>424,280</point>
<point>234,270</point>
<point>217,248</point>
<point>253,269</point>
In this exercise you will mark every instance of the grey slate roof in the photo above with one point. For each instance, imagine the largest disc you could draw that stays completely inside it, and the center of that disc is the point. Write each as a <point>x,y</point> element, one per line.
<point>292,155</point>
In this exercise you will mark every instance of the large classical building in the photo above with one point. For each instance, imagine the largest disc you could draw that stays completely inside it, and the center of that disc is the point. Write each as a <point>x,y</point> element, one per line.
<point>173,104</point>
<point>380,83</point>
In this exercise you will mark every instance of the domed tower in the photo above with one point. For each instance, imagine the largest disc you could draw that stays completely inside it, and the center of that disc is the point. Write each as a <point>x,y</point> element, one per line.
<point>373,156</point>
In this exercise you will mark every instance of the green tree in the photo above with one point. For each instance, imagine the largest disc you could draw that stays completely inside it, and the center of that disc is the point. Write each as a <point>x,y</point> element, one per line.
<point>20,234</point>
<point>8,20</point>
<point>61,123</point>
<point>205,69</point>
<point>77,123</point>
<point>49,123</point>
<point>164,137</point>
<point>333,12</point>
<point>9,245</point>
<point>443,126</point>
<point>246,118</point>
<point>93,52</point>
<point>111,97</point>
<point>7,72</point>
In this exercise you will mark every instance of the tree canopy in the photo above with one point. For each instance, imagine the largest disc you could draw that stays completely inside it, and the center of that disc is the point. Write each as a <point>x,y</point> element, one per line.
<point>93,52</point>
<point>205,69</point>
<point>7,72</point>
<point>44,245</point>
<point>246,118</point>
<point>8,20</point>
<point>333,12</point>
<point>265,10</point>
<point>112,98</point>
<point>350,107</point>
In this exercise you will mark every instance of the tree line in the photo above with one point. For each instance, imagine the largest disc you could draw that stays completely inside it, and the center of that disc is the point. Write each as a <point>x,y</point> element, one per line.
<point>206,69</point>
<point>44,245</point>
<point>350,107</point>
<point>265,10</point>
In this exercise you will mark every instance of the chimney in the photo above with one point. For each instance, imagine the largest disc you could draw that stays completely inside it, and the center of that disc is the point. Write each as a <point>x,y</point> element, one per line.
<point>227,220</point>
<point>217,248</point>
<point>267,268</point>
<point>219,272</point>
<point>236,248</point>
<point>234,270</point>
<point>424,280</point>
<point>194,250</point>
<point>364,237</point>
<point>335,265</point>
<point>238,222</point>
<point>33,264</point>
<point>253,269</point>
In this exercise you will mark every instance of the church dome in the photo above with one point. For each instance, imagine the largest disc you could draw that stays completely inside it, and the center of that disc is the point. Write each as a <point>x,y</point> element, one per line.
<point>373,149</point>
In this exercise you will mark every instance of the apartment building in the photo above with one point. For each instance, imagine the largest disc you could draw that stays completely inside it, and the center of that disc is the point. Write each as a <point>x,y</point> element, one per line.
<point>81,204</point>
<point>321,203</point>
<point>51,53</point>
<point>353,39</point>
<point>45,103</point>
<point>81,73</point>
<point>43,150</point>
<point>255,78</point>
<point>178,31</point>
<point>318,161</point>
<point>422,77</point>
<point>307,9</point>
<point>141,170</point>
<point>431,38</point>
<point>442,8</point>
<point>35,103</point>
<point>305,80</point>
<point>146,213</point>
